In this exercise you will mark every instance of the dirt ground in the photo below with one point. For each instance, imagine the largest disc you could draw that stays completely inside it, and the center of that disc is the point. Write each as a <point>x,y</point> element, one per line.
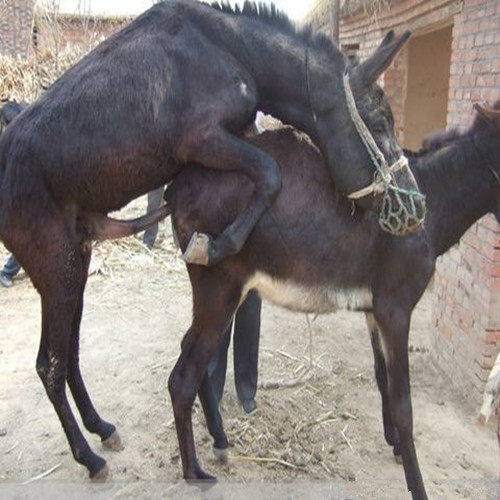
<point>320,438</point>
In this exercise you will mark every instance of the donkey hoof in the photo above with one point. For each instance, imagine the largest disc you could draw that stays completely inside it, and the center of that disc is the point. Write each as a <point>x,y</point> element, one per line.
<point>202,479</point>
<point>197,251</point>
<point>221,455</point>
<point>102,475</point>
<point>113,442</point>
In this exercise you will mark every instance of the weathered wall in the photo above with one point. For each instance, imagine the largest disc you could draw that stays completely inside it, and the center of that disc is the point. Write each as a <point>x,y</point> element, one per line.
<point>467,285</point>
<point>420,17</point>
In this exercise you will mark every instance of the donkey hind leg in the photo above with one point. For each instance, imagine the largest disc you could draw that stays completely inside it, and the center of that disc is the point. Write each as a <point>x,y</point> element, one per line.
<point>212,314</point>
<point>59,282</point>
<point>394,327</point>
<point>390,432</point>
<point>91,419</point>
<point>224,151</point>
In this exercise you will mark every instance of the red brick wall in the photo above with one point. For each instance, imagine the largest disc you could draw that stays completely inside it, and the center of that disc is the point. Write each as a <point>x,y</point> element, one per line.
<point>467,284</point>
<point>475,66</point>
<point>16,22</point>
<point>368,31</point>
<point>466,313</point>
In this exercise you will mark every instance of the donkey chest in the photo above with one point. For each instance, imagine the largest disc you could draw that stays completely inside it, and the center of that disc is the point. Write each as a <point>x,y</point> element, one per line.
<point>309,298</point>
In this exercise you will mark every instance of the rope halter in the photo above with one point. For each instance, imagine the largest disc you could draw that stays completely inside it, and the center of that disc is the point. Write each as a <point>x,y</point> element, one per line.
<point>403,210</point>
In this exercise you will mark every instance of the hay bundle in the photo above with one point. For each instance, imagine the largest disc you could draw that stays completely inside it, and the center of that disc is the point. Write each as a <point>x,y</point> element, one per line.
<point>26,79</point>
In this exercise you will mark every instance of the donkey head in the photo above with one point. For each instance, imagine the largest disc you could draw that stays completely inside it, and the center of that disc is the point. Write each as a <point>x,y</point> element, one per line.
<point>380,178</point>
<point>486,136</point>
<point>9,111</point>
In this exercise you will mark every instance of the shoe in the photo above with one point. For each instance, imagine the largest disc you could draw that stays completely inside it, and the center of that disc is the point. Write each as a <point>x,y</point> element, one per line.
<point>5,280</point>
<point>249,405</point>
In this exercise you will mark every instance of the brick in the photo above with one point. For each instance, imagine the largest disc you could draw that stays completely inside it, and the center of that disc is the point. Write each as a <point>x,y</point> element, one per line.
<point>467,278</point>
<point>488,24</point>
<point>492,338</point>
<point>471,27</point>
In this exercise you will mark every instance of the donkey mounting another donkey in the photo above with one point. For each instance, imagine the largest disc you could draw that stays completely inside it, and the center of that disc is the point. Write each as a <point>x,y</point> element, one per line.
<point>179,85</point>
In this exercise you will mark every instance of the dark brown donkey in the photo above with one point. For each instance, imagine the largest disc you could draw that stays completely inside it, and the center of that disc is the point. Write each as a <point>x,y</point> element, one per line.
<point>178,85</point>
<point>311,252</point>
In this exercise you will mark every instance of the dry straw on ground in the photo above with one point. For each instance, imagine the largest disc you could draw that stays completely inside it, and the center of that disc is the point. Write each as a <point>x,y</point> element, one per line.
<point>26,79</point>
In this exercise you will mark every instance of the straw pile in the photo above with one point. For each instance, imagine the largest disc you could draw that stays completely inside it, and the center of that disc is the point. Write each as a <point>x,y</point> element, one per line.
<point>26,79</point>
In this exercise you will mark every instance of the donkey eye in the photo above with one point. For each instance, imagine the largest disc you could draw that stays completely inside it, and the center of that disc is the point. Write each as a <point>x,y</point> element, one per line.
<point>379,128</point>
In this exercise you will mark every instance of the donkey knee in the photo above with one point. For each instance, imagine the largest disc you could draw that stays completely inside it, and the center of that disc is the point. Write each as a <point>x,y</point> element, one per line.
<point>182,397</point>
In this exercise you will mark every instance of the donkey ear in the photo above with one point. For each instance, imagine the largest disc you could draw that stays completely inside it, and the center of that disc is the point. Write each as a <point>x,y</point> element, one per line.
<point>489,114</point>
<point>368,71</point>
<point>388,38</point>
<point>10,110</point>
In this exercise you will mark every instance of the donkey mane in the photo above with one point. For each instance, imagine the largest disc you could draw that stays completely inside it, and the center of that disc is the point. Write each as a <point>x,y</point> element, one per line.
<point>271,15</point>
<point>444,154</point>
<point>448,156</point>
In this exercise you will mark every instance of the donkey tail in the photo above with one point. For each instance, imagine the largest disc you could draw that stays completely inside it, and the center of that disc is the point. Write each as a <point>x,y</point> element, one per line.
<point>97,226</point>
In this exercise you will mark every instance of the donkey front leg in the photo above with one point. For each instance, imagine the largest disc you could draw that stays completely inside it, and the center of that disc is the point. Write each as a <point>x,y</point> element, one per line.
<point>390,432</point>
<point>223,151</point>
<point>394,326</point>
<point>187,378</point>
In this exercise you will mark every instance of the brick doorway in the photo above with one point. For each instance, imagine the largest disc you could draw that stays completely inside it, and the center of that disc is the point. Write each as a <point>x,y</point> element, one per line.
<point>426,106</point>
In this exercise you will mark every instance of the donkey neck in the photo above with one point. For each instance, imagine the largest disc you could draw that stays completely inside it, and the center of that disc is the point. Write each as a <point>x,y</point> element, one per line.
<point>283,65</point>
<point>459,189</point>
<point>288,83</point>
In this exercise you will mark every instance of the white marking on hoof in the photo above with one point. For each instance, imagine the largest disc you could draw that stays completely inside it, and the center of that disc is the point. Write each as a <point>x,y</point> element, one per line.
<point>221,455</point>
<point>197,249</point>
<point>114,442</point>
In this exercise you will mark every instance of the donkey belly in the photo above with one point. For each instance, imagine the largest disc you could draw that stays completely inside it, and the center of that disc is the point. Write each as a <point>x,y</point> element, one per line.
<point>305,298</point>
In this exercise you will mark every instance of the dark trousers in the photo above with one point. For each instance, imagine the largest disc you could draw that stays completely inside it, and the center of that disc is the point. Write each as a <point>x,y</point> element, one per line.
<point>245,351</point>
<point>154,201</point>
<point>11,267</point>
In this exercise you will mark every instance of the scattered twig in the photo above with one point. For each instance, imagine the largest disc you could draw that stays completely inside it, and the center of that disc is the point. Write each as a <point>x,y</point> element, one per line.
<point>277,461</point>
<point>14,446</point>
<point>330,473</point>
<point>347,415</point>
<point>281,353</point>
<point>277,384</point>
<point>325,418</point>
<point>41,476</point>
<point>345,437</point>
